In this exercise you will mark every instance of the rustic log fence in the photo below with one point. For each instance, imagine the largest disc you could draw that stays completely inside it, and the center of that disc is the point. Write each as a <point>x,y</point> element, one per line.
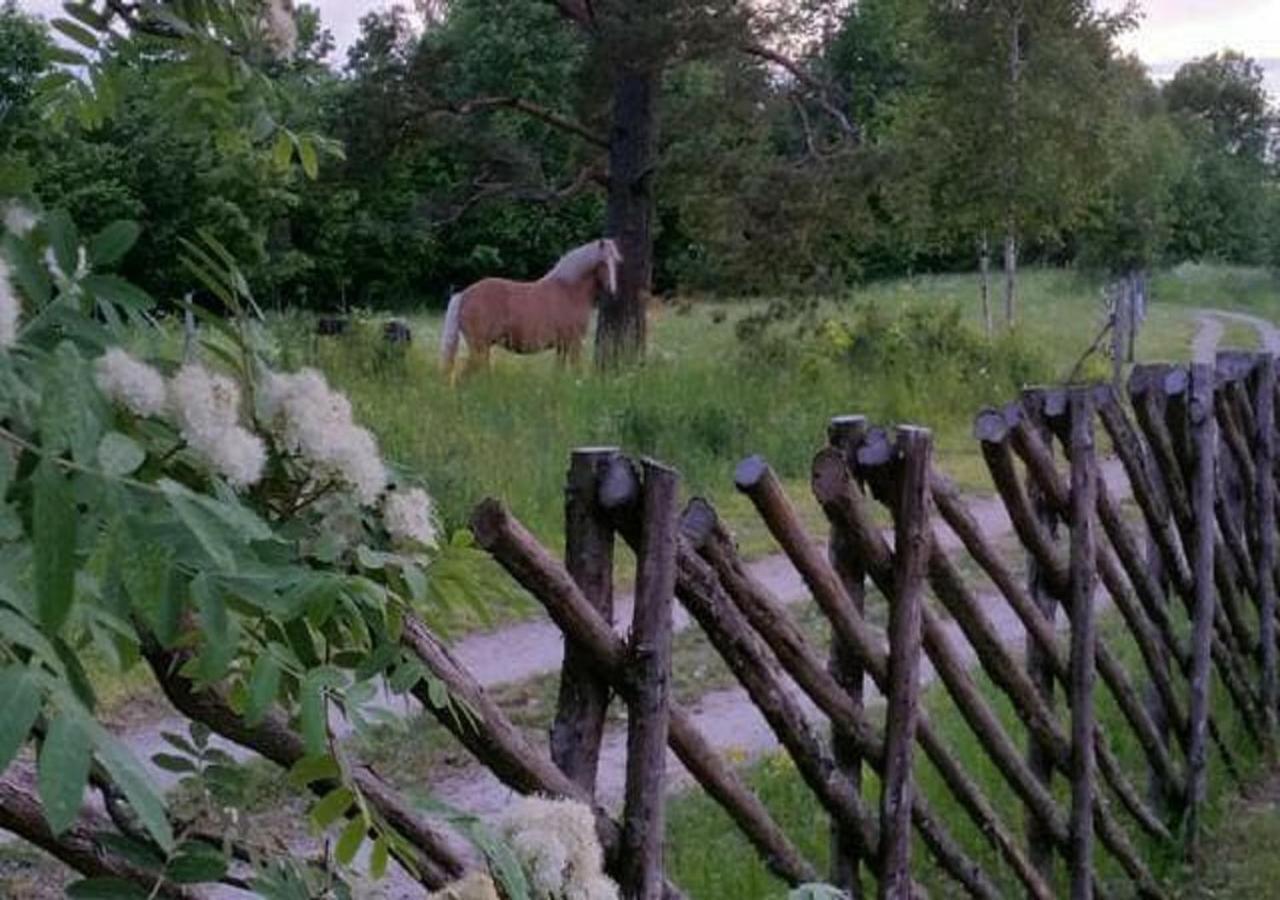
<point>1026,661</point>
<point>1199,532</point>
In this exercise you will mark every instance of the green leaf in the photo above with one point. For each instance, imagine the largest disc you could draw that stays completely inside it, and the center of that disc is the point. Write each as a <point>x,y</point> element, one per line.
<point>331,806</point>
<point>120,455</point>
<point>110,244</point>
<point>28,271</point>
<point>114,289</point>
<point>129,776</point>
<point>67,57</point>
<point>264,684</point>
<point>310,769</point>
<point>106,889</point>
<point>312,714</point>
<point>378,857</point>
<point>217,630</point>
<point>307,156</point>
<point>196,864</point>
<point>71,409</point>
<point>63,771</point>
<point>350,840</point>
<point>77,32</point>
<point>207,532</point>
<point>170,762</point>
<point>282,152</point>
<point>54,537</point>
<point>19,707</point>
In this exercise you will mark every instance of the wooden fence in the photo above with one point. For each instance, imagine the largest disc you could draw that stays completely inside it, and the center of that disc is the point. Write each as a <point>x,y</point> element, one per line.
<point>1190,568</point>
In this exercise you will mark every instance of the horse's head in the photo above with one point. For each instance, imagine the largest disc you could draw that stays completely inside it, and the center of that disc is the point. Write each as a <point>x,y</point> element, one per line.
<point>610,258</point>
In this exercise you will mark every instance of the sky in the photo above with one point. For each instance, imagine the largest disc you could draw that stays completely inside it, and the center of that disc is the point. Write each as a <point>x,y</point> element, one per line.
<point>1171,31</point>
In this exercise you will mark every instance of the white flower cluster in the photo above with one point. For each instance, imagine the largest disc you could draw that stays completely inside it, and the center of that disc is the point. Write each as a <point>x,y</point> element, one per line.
<point>555,844</point>
<point>313,422</point>
<point>281,27</point>
<point>206,408</point>
<point>10,309</point>
<point>410,517</point>
<point>476,886</point>
<point>18,219</point>
<point>132,384</point>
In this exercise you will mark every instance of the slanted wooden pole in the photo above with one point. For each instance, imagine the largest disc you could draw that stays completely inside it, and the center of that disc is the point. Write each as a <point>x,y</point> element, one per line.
<point>912,545</point>
<point>1083,565</point>
<point>1037,665</point>
<point>649,670</point>
<point>1204,442</point>
<point>845,433</point>
<point>1264,526</point>
<point>583,703</point>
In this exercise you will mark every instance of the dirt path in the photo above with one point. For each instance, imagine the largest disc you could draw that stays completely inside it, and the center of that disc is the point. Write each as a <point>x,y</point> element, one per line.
<point>1211,324</point>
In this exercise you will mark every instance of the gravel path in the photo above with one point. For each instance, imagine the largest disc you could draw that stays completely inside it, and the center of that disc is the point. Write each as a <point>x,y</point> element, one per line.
<point>1211,323</point>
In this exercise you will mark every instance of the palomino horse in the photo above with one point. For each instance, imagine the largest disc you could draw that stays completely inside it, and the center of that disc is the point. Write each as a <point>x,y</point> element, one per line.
<point>531,316</point>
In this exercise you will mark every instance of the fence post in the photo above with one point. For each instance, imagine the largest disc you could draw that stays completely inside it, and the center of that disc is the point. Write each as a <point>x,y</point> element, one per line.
<point>845,433</point>
<point>912,546</point>
<point>1204,445</point>
<point>1264,415</point>
<point>583,703</point>
<point>644,819</point>
<point>1083,571</point>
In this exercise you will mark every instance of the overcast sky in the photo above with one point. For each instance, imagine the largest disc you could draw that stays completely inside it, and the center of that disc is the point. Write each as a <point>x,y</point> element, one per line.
<point>1171,30</point>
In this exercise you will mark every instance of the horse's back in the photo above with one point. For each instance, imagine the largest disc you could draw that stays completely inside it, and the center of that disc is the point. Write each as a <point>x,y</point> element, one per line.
<point>523,316</point>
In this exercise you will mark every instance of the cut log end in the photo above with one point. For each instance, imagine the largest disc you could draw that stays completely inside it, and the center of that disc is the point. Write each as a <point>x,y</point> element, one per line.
<point>750,473</point>
<point>486,521</point>
<point>698,522</point>
<point>846,432</point>
<point>990,426</point>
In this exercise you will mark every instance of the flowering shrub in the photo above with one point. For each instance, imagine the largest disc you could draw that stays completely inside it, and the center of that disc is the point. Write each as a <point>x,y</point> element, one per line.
<point>211,505</point>
<point>555,843</point>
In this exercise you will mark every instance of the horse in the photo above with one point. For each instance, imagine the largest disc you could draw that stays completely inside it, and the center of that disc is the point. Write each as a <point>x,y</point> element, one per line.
<point>531,316</point>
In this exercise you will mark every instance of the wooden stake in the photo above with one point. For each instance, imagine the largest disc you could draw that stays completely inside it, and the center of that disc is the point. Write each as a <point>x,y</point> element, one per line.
<point>1204,441</point>
<point>912,545</point>
<point>583,703</point>
<point>1083,639</point>
<point>649,671</point>
<point>1264,526</point>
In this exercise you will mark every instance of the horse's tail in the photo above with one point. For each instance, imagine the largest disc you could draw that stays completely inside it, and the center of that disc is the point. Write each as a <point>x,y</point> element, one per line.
<point>452,331</point>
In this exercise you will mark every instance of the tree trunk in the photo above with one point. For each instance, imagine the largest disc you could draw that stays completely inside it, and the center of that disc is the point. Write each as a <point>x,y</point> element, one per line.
<point>620,329</point>
<point>1010,274</point>
<point>984,266</point>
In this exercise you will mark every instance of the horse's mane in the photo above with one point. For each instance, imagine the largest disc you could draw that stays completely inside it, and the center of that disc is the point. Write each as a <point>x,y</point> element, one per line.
<point>577,262</point>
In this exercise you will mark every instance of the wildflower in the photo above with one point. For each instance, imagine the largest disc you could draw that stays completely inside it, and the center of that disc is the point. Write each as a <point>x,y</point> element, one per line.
<point>130,383</point>
<point>18,219</point>
<point>555,844</point>
<point>206,408</point>
<point>410,517</point>
<point>10,309</point>
<point>313,422</point>
<point>476,886</point>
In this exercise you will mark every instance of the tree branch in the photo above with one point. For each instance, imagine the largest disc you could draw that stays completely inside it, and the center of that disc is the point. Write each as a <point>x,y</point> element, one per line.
<point>528,107</point>
<point>78,846</point>
<point>577,11</point>
<point>483,191</point>
<point>438,859</point>
<point>827,95</point>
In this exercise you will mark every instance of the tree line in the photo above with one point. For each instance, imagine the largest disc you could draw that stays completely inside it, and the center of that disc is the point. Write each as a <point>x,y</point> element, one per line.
<point>733,148</point>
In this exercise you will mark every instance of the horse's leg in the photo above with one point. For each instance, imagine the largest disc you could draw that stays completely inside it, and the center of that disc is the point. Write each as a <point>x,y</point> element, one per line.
<point>574,353</point>
<point>478,358</point>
